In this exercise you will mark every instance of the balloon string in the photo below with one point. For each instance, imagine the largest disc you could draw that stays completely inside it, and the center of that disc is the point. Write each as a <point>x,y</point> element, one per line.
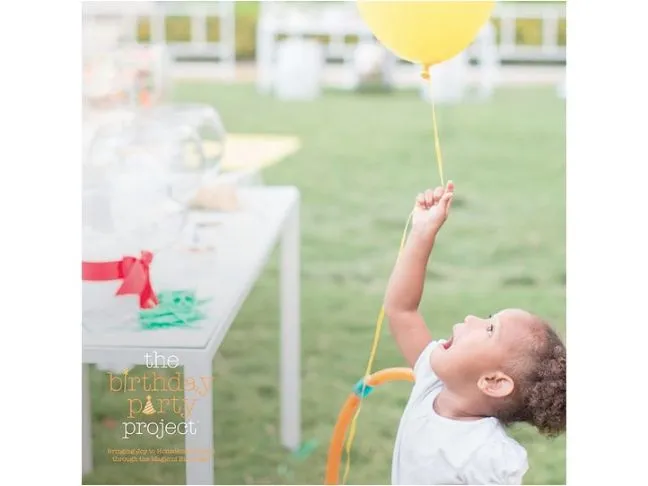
<point>372,356</point>
<point>425,74</point>
<point>381,316</point>
<point>437,144</point>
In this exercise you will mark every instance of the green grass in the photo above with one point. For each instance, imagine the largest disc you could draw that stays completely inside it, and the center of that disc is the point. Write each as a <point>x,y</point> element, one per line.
<point>364,158</point>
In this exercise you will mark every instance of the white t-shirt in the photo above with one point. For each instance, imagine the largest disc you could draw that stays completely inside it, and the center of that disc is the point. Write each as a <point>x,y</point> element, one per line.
<point>431,449</point>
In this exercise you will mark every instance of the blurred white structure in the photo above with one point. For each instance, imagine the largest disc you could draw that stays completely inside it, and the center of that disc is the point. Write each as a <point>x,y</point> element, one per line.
<point>449,80</point>
<point>117,71</point>
<point>222,52</point>
<point>102,35</point>
<point>368,60</point>
<point>111,21</point>
<point>298,73</point>
<point>550,14</point>
<point>488,56</point>
<point>335,20</point>
<point>373,64</point>
<point>108,24</point>
<point>339,22</point>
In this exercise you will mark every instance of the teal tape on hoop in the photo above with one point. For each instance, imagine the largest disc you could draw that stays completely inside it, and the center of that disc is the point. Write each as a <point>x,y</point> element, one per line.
<point>361,390</point>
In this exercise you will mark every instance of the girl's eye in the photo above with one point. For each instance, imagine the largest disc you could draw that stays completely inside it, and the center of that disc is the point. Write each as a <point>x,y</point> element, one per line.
<point>489,329</point>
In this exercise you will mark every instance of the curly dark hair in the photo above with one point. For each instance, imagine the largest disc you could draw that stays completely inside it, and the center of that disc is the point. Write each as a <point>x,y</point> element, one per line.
<point>540,376</point>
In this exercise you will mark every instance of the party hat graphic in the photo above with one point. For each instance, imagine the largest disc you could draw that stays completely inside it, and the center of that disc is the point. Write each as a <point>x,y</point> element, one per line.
<point>148,408</point>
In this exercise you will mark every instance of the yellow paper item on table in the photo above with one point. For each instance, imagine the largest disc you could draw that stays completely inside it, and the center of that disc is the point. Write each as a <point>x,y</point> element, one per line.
<point>252,152</point>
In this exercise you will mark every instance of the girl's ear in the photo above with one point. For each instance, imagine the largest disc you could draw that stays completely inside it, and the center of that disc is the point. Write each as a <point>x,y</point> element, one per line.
<point>496,384</point>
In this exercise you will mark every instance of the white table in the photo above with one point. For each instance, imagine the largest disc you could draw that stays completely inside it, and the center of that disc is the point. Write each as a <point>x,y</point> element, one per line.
<point>246,241</point>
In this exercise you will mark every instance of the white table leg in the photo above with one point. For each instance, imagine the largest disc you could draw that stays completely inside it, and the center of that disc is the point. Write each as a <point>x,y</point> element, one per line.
<point>289,384</point>
<point>86,412</point>
<point>199,405</point>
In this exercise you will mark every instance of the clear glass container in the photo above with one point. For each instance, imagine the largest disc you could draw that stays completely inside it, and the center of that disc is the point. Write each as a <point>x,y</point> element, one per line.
<point>143,173</point>
<point>207,123</point>
<point>137,184</point>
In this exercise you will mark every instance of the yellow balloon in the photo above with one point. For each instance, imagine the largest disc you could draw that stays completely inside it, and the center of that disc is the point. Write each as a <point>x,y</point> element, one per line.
<point>425,32</point>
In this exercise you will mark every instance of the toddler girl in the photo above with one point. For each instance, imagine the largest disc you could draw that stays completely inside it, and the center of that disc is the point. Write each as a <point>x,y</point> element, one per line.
<point>491,372</point>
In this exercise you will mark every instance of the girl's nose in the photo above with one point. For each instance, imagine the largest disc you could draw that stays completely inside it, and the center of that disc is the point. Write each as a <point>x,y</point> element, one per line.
<point>473,321</point>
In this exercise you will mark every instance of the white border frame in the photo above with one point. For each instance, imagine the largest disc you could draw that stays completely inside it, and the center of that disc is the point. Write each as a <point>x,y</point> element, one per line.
<point>607,242</point>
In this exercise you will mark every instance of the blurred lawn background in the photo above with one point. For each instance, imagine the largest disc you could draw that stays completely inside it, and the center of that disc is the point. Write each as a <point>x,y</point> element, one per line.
<point>364,159</point>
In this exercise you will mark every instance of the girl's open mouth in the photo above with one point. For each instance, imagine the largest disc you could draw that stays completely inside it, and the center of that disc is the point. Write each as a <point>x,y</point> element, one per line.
<point>448,343</point>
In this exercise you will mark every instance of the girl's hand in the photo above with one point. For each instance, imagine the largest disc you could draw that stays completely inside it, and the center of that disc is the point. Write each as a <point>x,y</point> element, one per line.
<point>431,210</point>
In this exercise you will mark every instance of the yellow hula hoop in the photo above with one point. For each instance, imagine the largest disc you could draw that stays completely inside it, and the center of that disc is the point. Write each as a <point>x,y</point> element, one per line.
<point>361,390</point>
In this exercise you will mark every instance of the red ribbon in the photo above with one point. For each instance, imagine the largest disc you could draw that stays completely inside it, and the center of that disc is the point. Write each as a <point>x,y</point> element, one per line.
<point>133,271</point>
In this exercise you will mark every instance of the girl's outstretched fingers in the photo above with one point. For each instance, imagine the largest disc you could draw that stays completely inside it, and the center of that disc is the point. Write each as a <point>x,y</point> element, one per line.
<point>429,198</point>
<point>438,194</point>
<point>446,202</point>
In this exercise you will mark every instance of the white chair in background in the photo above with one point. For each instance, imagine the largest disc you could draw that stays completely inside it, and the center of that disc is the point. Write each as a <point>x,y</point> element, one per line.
<point>333,22</point>
<point>298,71</point>
<point>373,65</point>
<point>221,52</point>
<point>486,53</point>
<point>448,81</point>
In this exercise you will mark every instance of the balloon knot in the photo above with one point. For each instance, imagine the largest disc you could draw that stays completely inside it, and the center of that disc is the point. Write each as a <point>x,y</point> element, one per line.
<point>425,73</point>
